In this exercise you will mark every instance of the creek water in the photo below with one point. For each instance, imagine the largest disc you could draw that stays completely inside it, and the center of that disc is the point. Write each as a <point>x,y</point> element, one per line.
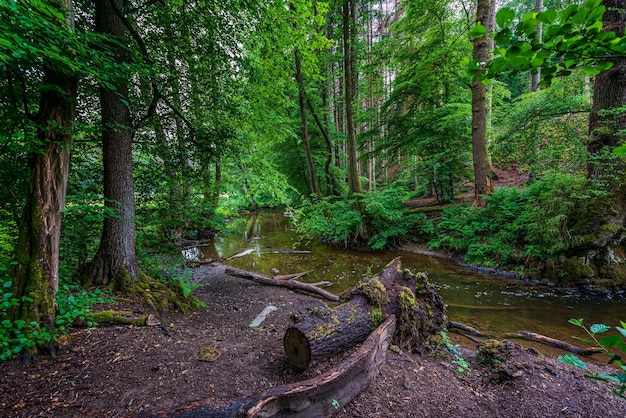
<point>496,306</point>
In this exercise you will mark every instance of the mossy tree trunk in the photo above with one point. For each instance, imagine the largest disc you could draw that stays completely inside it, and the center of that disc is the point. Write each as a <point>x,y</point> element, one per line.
<point>36,276</point>
<point>482,181</point>
<point>600,259</point>
<point>115,263</point>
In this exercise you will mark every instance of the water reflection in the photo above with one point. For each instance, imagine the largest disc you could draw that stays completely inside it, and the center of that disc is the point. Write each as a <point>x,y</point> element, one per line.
<point>498,307</point>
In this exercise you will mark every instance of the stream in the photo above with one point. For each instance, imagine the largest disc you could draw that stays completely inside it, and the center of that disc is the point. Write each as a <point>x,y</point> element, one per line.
<point>496,306</point>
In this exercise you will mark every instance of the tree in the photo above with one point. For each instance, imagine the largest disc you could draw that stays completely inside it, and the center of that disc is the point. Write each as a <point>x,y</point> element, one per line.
<point>482,181</point>
<point>116,260</point>
<point>350,77</point>
<point>588,36</point>
<point>36,280</point>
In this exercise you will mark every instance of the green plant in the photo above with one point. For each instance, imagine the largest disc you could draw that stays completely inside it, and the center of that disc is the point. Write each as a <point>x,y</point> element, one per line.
<point>186,285</point>
<point>609,344</point>
<point>462,364</point>
<point>375,219</point>
<point>18,336</point>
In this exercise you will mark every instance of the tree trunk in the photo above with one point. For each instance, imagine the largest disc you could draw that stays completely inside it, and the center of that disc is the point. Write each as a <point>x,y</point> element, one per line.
<point>600,259</point>
<point>36,275</point>
<point>116,261</point>
<point>323,332</point>
<point>536,77</point>
<point>349,61</point>
<point>482,183</point>
<point>305,130</point>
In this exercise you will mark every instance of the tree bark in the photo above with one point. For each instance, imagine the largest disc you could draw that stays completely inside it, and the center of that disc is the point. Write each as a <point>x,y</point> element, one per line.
<point>36,274</point>
<point>323,332</point>
<point>482,183</point>
<point>116,261</point>
<point>536,77</point>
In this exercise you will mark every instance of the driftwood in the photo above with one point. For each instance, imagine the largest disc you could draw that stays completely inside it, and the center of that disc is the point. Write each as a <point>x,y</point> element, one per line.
<point>290,284</point>
<point>316,397</point>
<point>293,276</point>
<point>582,351</point>
<point>323,332</point>
<point>464,327</point>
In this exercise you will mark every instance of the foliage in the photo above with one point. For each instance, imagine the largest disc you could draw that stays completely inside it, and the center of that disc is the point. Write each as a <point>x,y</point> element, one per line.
<point>572,38</point>
<point>609,344</point>
<point>533,223</point>
<point>375,218</point>
<point>544,130</point>
<point>462,364</point>
<point>20,336</point>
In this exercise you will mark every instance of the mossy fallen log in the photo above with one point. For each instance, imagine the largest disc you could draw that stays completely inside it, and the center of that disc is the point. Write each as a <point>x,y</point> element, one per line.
<point>323,332</point>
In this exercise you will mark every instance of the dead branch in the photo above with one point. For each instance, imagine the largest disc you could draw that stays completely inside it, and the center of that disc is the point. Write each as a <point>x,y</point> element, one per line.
<point>582,351</point>
<point>464,327</point>
<point>289,284</point>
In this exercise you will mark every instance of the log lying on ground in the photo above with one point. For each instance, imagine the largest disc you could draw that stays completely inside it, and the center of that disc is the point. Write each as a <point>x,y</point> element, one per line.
<point>290,284</point>
<point>582,351</point>
<point>316,397</point>
<point>323,332</point>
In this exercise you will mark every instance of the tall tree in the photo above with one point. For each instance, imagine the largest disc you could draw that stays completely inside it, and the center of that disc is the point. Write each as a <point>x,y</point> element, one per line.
<point>349,81</point>
<point>116,260</point>
<point>36,279</point>
<point>302,101</point>
<point>607,124</point>
<point>535,76</point>
<point>482,181</point>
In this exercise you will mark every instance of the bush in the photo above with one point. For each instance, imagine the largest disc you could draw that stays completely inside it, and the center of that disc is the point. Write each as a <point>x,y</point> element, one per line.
<point>375,219</point>
<point>19,336</point>
<point>516,224</point>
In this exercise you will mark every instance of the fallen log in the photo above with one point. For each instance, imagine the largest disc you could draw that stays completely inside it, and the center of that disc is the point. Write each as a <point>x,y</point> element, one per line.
<point>323,332</point>
<point>316,397</point>
<point>290,284</point>
<point>582,351</point>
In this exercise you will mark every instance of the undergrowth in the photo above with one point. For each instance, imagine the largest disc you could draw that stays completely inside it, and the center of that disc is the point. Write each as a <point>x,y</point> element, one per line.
<point>74,303</point>
<point>375,219</point>
<point>517,224</point>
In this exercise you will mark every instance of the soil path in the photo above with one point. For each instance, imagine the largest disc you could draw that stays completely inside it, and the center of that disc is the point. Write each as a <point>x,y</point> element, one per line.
<point>124,371</point>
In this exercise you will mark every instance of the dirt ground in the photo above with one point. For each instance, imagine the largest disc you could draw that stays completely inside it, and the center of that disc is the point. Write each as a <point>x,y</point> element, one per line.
<point>123,371</point>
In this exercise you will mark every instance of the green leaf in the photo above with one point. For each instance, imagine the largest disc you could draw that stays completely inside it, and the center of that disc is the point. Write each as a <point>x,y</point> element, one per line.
<point>610,340</point>
<point>620,329</point>
<point>585,340</point>
<point>504,17</point>
<point>478,31</point>
<point>8,283</point>
<point>547,16</point>
<point>573,360</point>
<point>593,70</point>
<point>577,322</point>
<point>599,328</point>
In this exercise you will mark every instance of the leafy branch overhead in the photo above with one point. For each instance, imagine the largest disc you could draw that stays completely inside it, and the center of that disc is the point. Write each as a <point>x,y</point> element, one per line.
<point>572,38</point>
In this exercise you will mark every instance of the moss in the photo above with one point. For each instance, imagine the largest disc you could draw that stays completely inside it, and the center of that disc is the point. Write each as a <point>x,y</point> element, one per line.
<point>407,299</point>
<point>377,317</point>
<point>577,270</point>
<point>374,291</point>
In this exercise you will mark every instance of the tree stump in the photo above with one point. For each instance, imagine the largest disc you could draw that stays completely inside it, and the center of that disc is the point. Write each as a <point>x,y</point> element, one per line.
<point>323,332</point>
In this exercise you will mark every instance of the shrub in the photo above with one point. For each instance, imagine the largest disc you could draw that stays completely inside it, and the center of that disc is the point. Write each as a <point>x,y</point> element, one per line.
<point>516,224</point>
<point>375,219</point>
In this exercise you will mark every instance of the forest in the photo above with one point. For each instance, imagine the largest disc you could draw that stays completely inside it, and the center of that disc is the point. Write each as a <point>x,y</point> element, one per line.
<point>133,126</point>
